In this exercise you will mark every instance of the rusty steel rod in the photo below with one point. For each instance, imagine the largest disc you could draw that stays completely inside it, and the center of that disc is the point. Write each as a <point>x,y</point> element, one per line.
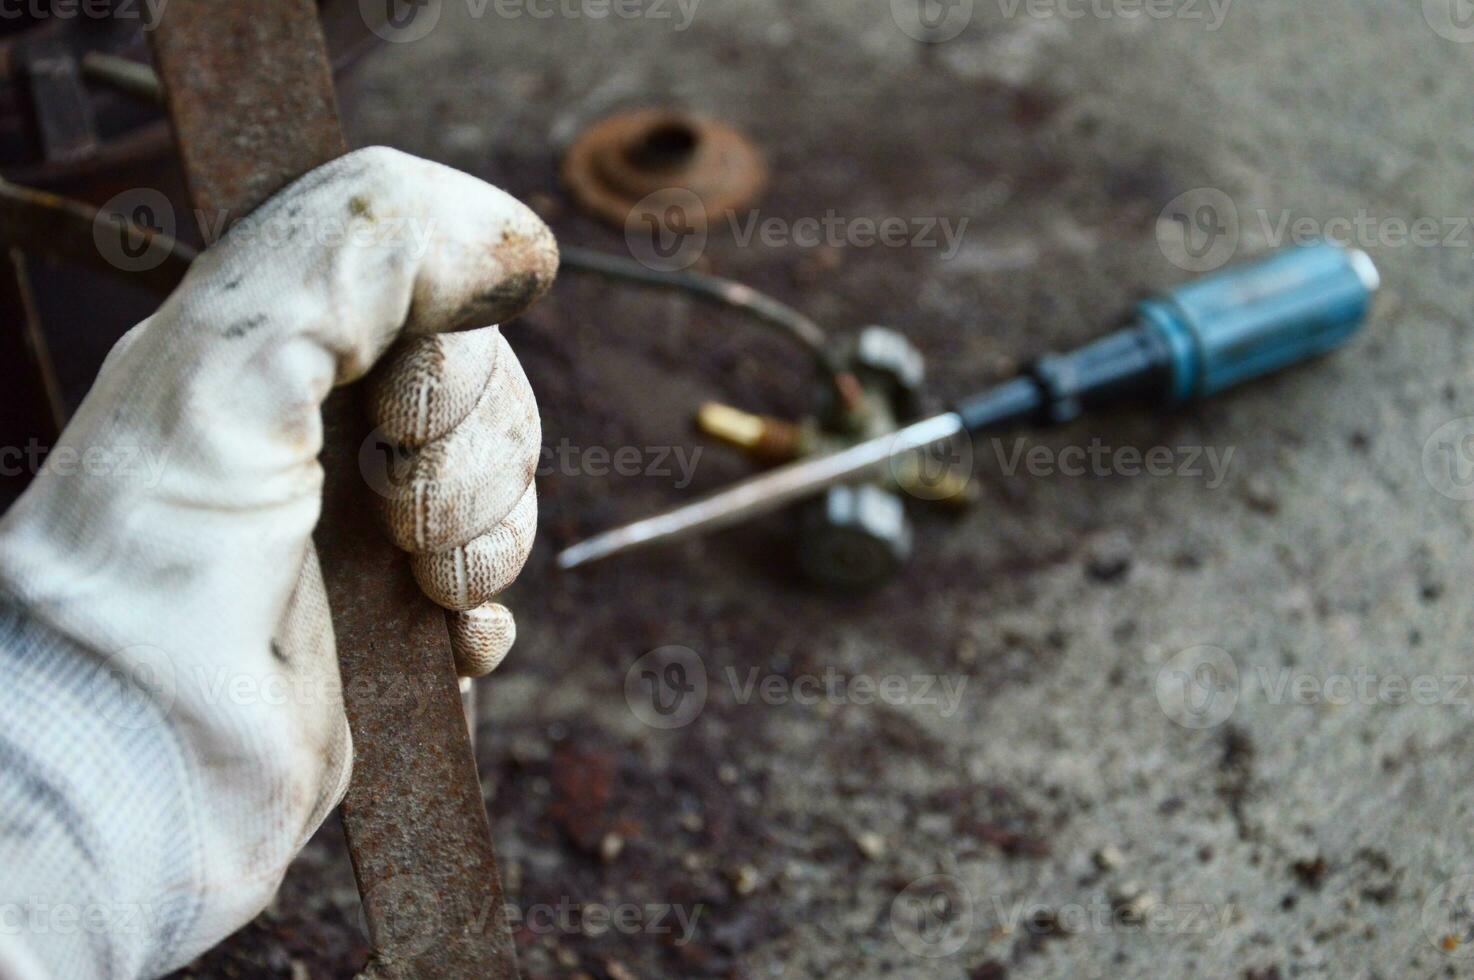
<point>249,89</point>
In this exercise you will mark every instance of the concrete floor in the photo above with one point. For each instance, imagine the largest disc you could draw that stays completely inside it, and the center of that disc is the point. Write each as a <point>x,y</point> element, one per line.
<point>1080,830</point>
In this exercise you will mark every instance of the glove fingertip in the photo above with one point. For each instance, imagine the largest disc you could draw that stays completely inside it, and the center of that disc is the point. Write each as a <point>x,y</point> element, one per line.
<point>481,638</point>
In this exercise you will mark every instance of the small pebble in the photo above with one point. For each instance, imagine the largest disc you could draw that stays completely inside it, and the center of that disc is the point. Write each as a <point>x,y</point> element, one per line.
<point>1260,495</point>
<point>871,844</point>
<point>745,879</point>
<point>1133,901</point>
<point>1108,557</point>
<point>1109,858</point>
<point>967,651</point>
<point>618,971</point>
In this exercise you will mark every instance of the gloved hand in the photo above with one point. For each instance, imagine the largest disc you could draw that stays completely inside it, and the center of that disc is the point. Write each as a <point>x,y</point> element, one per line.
<point>171,723</point>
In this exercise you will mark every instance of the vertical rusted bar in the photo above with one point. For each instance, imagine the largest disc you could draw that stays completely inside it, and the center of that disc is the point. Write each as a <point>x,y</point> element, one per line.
<point>249,90</point>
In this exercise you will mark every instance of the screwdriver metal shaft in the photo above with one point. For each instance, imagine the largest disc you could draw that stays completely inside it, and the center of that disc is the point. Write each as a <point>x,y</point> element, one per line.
<point>765,493</point>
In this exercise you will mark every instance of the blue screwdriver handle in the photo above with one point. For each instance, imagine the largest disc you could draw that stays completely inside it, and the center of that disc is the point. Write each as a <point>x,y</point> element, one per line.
<point>1248,321</point>
<point>1196,340</point>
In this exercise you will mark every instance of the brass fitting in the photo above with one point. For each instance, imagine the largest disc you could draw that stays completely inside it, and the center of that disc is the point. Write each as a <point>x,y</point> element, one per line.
<point>766,438</point>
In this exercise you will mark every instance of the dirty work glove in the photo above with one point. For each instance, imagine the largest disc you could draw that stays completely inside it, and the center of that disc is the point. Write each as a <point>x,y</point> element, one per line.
<point>171,722</point>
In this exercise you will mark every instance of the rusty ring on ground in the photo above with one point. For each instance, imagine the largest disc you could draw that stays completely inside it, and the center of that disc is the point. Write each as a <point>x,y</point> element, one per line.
<point>618,162</point>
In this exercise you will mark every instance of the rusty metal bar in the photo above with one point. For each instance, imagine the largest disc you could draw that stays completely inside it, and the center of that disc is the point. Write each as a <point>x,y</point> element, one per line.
<point>249,90</point>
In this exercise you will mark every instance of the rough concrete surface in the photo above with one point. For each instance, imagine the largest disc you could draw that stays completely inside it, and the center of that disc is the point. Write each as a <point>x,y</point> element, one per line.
<point>1310,825</point>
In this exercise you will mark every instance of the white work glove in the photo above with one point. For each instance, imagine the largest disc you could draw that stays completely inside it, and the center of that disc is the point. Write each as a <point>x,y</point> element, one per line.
<point>171,722</point>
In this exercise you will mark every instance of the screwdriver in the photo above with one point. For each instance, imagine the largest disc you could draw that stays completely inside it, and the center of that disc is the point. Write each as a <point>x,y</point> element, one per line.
<point>1191,342</point>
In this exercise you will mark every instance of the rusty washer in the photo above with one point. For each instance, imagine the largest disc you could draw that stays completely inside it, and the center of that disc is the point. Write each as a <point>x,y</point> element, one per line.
<point>619,162</point>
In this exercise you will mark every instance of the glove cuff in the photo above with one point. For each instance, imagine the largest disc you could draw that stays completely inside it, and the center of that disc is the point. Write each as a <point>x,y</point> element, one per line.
<point>99,844</point>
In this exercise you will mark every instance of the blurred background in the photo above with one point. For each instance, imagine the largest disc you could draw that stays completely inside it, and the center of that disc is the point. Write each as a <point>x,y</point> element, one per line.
<point>980,769</point>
